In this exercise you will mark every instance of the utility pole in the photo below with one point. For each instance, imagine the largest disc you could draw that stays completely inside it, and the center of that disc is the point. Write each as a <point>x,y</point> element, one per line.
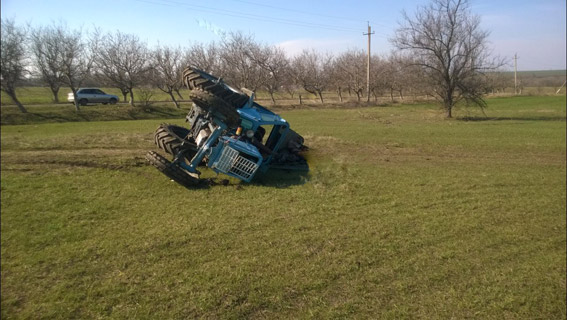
<point>369,34</point>
<point>557,92</point>
<point>515,74</point>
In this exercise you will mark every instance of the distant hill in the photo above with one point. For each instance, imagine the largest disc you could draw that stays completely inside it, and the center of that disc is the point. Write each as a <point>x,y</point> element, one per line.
<point>539,78</point>
<point>539,73</point>
<point>543,73</point>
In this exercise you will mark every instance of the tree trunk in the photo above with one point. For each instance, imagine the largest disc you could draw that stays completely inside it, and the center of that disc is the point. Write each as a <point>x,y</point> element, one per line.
<point>55,92</point>
<point>272,96</point>
<point>17,102</point>
<point>339,91</point>
<point>320,96</point>
<point>131,98</point>
<point>357,96</point>
<point>124,94</point>
<point>77,107</point>
<point>392,95</point>
<point>178,93</point>
<point>300,102</point>
<point>173,99</point>
<point>448,103</point>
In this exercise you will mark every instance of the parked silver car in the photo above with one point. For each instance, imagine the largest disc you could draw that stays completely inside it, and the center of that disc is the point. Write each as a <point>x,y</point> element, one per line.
<point>92,95</point>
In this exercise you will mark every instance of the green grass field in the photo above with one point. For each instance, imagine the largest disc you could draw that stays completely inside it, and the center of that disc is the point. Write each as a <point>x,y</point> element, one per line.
<point>33,96</point>
<point>42,95</point>
<point>403,215</point>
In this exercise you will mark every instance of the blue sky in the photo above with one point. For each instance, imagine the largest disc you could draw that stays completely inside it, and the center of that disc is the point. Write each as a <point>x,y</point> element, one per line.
<point>535,30</point>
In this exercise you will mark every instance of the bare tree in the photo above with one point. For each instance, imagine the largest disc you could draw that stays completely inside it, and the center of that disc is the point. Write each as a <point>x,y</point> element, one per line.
<point>396,76</point>
<point>378,80</point>
<point>274,63</point>
<point>167,69</point>
<point>13,59</point>
<point>206,58</point>
<point>498,82</point>
<point>410,77</point>
<point>47,56</point>
<point>351,69</point>
<point>77,59</point>
<point>446,40</point>
<point>237,65</point>
<point>337,78</point>
<point>290,83</point>
<point>312,71</point>
<point>122,61</point>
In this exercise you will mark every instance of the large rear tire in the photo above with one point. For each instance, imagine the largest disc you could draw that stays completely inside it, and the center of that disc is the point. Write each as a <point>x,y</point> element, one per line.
<point>171,170</point>
<point>172,139</point>
<point>216,106</point>
<point>199,79</point>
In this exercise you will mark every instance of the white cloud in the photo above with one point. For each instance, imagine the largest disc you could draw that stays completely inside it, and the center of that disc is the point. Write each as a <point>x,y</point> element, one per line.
<point>211,27</point>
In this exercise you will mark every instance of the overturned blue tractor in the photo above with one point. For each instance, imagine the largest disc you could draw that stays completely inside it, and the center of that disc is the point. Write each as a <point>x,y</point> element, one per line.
<point>228,132</point>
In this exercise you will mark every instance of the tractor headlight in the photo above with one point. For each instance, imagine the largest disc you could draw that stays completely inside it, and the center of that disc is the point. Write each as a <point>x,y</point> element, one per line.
<point>250,133</point>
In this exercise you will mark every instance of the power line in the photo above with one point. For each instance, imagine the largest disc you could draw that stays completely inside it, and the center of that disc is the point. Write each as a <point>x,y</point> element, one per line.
<point>299,11</point>
<point>248,16</point>
<point>538,62</point>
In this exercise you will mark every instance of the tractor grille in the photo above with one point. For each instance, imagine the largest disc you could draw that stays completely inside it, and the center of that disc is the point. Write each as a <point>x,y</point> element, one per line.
<point>230,161</point>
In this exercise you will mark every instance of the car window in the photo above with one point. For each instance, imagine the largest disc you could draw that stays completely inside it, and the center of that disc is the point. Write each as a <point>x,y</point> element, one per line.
<point>98,91</point>
<point>87,91</point>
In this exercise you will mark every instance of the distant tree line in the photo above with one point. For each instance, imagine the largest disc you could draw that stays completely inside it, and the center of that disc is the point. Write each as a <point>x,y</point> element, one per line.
<point>58,56</point>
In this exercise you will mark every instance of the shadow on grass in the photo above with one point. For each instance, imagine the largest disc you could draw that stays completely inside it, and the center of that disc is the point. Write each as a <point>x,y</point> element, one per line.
<point>275,178</point>
<point>154,110</point>
<point>89,114</point>
<point>281,178</point>
<point>536,118</point>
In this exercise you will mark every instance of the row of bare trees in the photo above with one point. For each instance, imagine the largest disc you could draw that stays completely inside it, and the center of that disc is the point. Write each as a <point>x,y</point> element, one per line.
<point>441,53</point>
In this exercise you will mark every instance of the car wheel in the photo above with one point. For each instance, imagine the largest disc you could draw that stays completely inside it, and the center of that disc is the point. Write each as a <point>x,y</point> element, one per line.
<point>112,101</point>
<point>83,102</point>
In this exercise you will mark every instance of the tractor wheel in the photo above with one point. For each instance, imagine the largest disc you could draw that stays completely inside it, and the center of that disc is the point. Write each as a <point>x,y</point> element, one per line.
<point>198,79</point>
<point>171,170</point>
<point>216,106</point>
<point>173,139</point>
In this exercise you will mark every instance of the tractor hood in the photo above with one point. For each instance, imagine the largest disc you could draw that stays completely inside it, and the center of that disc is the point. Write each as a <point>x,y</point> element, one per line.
<point>258,113</point>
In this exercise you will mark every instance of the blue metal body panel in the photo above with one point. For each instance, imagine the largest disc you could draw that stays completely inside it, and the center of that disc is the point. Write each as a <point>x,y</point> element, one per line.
<point>204,150</point>
<point>260,116</point>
